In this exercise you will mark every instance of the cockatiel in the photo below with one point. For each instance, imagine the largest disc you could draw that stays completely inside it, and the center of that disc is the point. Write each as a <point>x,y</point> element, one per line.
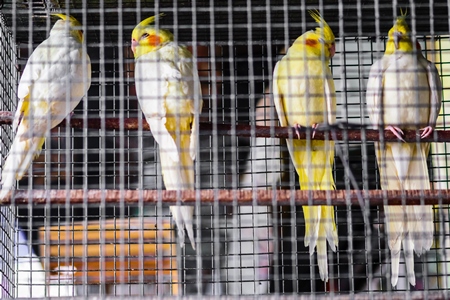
<point>304,95</point>
<point>168,90</point>
<point>56,77</point>
<point>404,92</point>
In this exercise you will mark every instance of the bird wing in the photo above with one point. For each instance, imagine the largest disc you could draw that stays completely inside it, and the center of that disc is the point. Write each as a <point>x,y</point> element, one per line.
<point>193,91</point>
<point>435,92</point>
<point>374,93</point>
<point>153,85</point>
<point>330,97</point>
<point>277,94</point>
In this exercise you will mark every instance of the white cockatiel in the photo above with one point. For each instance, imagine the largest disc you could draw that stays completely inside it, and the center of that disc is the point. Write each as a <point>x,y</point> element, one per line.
<point>404,92</point>
<point>168,90</point>
<point>56,77</point>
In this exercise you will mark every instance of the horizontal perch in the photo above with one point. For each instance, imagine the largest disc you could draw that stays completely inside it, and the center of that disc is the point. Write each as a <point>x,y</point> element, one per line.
<point>245,130</point>
<point>230,197</point>
<point>415,295</point>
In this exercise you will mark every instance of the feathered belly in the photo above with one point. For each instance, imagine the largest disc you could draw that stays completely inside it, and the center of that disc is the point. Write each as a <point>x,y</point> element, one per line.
<point>406,99</point>
<point>306,109</point>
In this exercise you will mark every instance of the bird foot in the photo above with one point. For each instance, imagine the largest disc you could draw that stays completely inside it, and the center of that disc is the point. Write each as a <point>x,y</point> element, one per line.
<point>314,127</point>
<point>426,132</point>
<point>396,131</point>
<point>297,130</point>
<point>298,127</point>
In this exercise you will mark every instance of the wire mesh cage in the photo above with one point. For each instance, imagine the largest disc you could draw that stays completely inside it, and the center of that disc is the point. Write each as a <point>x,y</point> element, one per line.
<point>93,214</point>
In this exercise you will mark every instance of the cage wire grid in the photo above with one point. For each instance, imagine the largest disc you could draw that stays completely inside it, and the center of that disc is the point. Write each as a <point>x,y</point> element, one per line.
<point>92,217</point>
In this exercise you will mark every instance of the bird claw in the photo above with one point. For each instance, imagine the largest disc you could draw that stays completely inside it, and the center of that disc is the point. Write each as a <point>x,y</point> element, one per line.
<point>396,131</point>
<point>314,127</point>
<point>426,132</point>
<point>297,130</point>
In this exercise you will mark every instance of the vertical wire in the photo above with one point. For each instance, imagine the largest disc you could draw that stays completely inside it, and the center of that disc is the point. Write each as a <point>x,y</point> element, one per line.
<point>271,210</point>
<point>141,164</point>
<point>436,210</point>
<point>85,164</point>
<point>48,140</point>
<point>215,147</point>
<point>197,163</point>
<point>293,207</point>
<point>364,152</point>
<point>378,50</point>
<point>180,254</point>
<point>344,101</point>
<point>121,62</point>
<point>11,287</point>
<point>102,144</point>
<point>292,170</point>
<point>418,108</point>
<point>65,134</point>
<point>31,120</point>
<point>444,215</point>
<point>235,219</point>
<point>252,114</point>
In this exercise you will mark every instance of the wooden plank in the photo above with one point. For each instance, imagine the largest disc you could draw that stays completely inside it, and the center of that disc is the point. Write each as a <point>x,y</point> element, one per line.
<point>105,250</point>
<point>121,271</point>
<point>110,251</point>
<point>109,231</point>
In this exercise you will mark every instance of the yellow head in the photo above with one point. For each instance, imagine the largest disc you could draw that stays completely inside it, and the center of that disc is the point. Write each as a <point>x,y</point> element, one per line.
<point>399,36</point>
<point>146,38</point>
<point>74,26</point>
<point>320,41</point>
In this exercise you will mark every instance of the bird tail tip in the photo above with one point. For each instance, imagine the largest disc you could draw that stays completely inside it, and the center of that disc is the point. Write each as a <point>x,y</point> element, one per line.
<point>395,266</point>
<point>183,217</point>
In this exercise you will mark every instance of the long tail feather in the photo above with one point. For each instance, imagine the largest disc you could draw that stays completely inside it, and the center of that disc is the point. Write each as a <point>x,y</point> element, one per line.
<point>403,167</point>
<point>395,264</point>
<point>179,175</point>
<point>408,249</point>
<point>322,258</point>
<point>320,225</point>
<point>395,231</point>
<point>20,157</point>
<point>183,217</point>
<point>312,220</point>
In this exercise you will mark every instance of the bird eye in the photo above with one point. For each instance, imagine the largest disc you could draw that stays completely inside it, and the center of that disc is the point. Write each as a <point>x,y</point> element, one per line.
<point>321,40</point>
<point>145,35</point>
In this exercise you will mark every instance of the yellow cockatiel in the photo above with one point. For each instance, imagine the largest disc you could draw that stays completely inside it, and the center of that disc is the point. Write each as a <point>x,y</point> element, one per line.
<point>56,77</point>
<point>304,95</point>
<point>168,90</point>
<point>404,92</point>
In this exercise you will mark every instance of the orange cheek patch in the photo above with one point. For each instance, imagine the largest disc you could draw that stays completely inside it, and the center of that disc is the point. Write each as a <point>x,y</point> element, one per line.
<point>153,40</point>
<point>311,42</point>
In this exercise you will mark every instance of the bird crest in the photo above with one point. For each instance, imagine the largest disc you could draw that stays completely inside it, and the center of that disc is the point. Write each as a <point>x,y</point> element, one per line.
<point>148,21</point>
<point>75,26</point>
<point>69,18</point>
<point>400,23</point>
<point>324,32</point>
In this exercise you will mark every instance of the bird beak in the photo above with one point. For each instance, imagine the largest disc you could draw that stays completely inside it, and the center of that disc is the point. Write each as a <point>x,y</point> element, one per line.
<point>332,49</point>
<point>397,37</point>
<point>134,44</point>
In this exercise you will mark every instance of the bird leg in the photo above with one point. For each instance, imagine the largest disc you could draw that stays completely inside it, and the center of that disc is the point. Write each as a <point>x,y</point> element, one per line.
<point>426,132</point>
<point>297,129</point>
<point>396,131</point>
<point>314,127</point>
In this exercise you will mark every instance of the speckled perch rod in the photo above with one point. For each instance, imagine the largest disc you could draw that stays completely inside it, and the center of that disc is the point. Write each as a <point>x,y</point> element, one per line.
<point>230,197</point>
<point>245,130</point>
